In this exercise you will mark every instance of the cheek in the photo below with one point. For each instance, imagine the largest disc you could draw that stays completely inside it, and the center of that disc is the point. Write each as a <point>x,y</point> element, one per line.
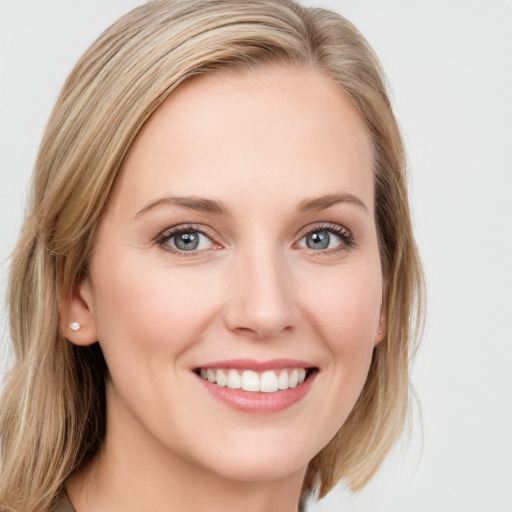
<point>344,314</point>
<point>346,308</point>
<point>144,314</point>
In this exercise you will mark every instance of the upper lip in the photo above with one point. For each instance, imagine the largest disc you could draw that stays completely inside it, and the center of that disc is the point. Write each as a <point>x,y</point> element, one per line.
<point>251,364</point>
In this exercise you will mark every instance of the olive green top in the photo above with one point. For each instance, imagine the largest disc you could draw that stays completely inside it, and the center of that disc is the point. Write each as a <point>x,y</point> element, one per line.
<point>62,504</point>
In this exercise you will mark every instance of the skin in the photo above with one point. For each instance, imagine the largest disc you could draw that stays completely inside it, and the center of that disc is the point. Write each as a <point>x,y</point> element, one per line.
<point>262,143</point>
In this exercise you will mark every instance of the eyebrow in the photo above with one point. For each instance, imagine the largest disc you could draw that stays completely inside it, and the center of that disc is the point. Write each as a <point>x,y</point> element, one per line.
<point>190,203</point>
<point>220,208</point>
<point>324,202</point>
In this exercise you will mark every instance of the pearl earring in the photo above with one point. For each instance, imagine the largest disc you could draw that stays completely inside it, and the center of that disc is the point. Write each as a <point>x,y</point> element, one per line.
<point>379,329</point>
<point>75,326</point>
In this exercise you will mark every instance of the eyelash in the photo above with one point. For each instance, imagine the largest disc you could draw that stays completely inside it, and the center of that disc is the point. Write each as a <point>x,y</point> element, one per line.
<point>343,233</point>
<point>187,228</point>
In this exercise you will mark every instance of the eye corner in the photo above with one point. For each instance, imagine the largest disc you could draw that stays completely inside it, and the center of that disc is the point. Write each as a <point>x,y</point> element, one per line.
<point>202,239</point>
<point>324,245</point>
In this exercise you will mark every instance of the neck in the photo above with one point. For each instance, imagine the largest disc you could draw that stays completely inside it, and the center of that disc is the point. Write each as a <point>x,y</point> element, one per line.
<point>133,472</point>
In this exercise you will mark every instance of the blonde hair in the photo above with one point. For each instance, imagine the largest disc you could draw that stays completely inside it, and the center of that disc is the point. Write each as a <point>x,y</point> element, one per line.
<point>52,418</point>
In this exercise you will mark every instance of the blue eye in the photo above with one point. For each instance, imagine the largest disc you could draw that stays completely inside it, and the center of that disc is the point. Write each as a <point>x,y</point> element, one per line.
<point>318,240</point>
<point>324,239</point>
<point>186,240</point>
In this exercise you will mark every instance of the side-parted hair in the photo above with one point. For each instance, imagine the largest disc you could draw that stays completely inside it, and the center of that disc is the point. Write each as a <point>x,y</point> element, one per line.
<point>53,411</point>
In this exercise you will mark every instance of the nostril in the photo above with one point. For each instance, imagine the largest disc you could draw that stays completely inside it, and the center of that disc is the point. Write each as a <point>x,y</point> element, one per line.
<point>260,305</point>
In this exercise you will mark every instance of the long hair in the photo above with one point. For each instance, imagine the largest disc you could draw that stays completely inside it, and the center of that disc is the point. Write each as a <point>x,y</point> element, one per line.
<point>53,415</point>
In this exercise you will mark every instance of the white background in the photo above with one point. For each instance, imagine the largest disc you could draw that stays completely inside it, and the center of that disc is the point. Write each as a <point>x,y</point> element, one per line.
<point>450,66</point>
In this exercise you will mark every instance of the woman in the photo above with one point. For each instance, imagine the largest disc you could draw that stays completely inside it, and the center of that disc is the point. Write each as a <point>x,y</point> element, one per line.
<point>212,297</point>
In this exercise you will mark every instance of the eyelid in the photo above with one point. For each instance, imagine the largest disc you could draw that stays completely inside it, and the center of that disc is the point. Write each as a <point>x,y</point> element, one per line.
<point>168,233</point>
<point>339,230</point>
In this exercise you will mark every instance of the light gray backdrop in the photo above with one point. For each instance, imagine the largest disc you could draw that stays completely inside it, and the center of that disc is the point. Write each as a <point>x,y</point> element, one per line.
<point>449,63</point>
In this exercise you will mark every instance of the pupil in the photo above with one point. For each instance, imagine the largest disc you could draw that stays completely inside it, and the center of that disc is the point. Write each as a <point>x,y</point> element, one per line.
<point>187,241</point>
<point>318,240</point>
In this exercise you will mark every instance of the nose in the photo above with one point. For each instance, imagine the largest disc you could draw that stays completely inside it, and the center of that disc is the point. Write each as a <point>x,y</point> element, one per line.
<point>259,296</point>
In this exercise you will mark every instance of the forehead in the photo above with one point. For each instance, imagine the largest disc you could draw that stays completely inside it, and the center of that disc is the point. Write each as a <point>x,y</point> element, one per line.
<point>267,131</point>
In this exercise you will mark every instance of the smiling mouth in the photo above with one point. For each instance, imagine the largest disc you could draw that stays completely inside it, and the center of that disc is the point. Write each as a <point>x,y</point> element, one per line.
<point>269,381</point>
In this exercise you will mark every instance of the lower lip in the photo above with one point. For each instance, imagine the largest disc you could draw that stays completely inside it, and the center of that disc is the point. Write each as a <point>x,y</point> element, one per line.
<point>256,402</point>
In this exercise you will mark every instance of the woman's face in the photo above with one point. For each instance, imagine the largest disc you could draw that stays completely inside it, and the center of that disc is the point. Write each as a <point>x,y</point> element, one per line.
<point>239,245</point>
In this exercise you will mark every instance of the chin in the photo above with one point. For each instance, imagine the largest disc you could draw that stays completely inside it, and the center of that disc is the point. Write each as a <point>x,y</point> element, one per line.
<point>259,458</point>
<point>250,469</point>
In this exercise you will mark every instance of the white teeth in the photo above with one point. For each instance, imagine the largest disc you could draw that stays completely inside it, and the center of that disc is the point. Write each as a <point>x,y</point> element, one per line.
<point>222,379</point>
<point>268,381</point>
<point>250,381</point>
<point>234,380</point>
<point>283,382</point>
<point>294,378</point>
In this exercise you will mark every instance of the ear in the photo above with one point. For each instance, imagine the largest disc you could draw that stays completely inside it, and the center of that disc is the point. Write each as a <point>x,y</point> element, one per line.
<point>76,309</point>
<point>381,328</point>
